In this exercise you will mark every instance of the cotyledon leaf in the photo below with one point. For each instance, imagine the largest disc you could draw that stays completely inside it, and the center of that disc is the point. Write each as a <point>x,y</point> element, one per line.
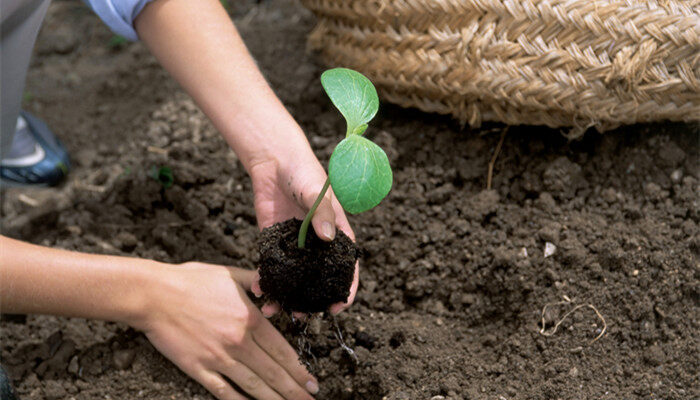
<point>354,96</point>
<point>360,174</point>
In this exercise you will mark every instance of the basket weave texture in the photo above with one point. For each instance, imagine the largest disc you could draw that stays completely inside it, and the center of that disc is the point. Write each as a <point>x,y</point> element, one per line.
<point>560,63</point>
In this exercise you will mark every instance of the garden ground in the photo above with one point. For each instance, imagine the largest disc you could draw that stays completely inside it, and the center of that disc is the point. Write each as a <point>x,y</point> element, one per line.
<point>454,277</point>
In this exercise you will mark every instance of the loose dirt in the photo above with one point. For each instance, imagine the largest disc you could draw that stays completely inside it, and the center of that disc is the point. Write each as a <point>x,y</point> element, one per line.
<point>454,278</point>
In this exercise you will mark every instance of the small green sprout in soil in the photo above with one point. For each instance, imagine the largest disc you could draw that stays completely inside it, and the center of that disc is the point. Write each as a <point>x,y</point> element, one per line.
<point>27,97</point>
<point>297,269</point>
<point>126,172</point>
<point>117,42</point>
<point>164,175</point>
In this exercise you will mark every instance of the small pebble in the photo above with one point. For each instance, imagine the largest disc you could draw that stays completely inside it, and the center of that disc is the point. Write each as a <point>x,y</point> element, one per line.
<point>523,252</point>
<point>73,366</point>
<point>549,249</point>
<point>677,175</point>
<point>123,358</point>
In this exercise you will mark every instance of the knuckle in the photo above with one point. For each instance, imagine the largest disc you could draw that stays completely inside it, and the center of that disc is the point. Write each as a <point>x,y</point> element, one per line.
<point>230,364</point>
<point>252,383</point>
<point>248,317</point>
<point>281,353</point>
<point>242,314</point>
<point>273,375</point>
<point>252,319</point>
<point>234,339</point>
<point>219,358</point>
<point>217,387</point>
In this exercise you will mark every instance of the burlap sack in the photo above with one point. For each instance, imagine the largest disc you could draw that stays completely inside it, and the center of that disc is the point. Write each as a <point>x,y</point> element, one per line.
<point>560,63</point>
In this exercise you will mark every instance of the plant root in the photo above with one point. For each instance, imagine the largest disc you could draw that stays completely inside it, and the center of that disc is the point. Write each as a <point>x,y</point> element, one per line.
<point>544,332</point>
<point>489,176</point>
<point>306,356</point>
<point>339,336</point>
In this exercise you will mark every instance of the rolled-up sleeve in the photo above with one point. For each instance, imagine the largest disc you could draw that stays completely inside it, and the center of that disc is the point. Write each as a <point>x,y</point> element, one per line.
<point>119,15</point>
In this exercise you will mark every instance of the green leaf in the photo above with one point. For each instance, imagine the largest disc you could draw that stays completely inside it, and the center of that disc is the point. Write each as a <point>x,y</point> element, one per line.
<point>164,175</point>
<point>360,174</point>
<point>354,96</point>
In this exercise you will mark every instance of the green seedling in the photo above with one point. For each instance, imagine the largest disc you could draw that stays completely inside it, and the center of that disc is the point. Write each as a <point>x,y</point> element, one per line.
<point>117,42</point>
<point>27,97</point>
<point>359,170</point>
<point>164,175</point>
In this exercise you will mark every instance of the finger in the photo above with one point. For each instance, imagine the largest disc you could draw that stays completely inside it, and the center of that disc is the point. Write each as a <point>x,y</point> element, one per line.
<point>255,286</point>
<point>338,307</point>
<point>323,220</point>
<point>273,343</point>
<point>248,380</point>
<point>217,386</point>
<point>270,309</point>
<point>270,372</point>
<point>244,277</point>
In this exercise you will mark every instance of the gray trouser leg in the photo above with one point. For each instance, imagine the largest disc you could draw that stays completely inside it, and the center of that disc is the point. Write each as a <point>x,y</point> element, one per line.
<point>19,27</point>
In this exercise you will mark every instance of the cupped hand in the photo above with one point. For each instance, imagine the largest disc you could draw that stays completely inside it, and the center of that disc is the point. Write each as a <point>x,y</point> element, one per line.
<point>288,189</point>
<point>202,320</point>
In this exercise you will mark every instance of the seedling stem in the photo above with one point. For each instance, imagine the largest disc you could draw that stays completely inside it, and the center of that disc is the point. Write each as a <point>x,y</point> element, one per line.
<point>301,242</point>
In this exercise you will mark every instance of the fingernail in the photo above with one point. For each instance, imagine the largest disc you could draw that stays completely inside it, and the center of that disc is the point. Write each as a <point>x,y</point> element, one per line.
<point>328,230</point>
<point>257,295</point>
<point>312,387</point>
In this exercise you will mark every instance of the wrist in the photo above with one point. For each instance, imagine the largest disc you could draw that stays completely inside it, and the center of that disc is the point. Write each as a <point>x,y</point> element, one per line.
<point>147,279</point>
<point>279,145</point>
<point>294,154</point>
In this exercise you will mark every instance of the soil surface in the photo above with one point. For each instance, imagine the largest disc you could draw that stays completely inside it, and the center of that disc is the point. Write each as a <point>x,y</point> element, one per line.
<point>307,280</point>
<point>454,277</point>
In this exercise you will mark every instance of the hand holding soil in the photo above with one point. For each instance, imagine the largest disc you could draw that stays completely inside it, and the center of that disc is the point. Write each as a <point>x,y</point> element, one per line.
<point>197,315</point>
<point>202,320</point>
<point>286,189</point>
<point>323,276</point>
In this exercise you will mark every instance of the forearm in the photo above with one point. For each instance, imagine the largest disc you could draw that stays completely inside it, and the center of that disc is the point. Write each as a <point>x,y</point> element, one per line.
<point>199,45</point>
<point>40,280</point>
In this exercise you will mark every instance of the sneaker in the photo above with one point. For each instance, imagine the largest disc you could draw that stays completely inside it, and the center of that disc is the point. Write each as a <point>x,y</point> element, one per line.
<point>6,392</point>
<point>36,158</point>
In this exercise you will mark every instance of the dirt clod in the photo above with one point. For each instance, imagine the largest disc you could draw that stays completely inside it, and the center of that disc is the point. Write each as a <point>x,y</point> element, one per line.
<point>123,358</point>
<point>305,280</point>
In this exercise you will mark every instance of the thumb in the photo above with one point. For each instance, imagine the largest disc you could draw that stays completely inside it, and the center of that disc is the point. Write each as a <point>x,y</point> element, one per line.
<point>323,220</point>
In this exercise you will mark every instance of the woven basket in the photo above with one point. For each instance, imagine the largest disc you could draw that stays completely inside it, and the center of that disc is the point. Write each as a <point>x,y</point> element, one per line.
<point>560,63</point>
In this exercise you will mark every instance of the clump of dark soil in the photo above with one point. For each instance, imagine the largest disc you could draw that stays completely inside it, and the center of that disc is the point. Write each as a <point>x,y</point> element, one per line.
<point>309,279</point>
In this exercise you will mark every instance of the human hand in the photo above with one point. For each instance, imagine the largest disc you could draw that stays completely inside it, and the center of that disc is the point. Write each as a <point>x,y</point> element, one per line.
<point>201,319</point>
<point>287,189</point>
